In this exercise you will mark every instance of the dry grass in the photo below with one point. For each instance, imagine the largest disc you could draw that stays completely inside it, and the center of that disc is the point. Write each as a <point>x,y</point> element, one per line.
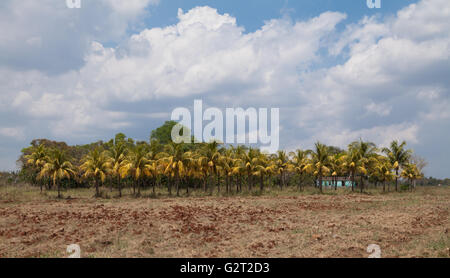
<point>277,224</point>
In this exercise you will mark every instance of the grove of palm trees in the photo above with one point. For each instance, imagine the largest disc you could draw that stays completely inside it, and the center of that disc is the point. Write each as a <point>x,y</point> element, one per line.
<point>213,167</point>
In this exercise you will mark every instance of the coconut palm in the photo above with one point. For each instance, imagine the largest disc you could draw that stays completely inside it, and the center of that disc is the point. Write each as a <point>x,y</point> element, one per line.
<point>265,167</point>
<point>336,167</point>
<point>383,171</point>
<point>250,160</point>
<point>319,163</point>
<point>411,173</point>
<point>300,159</point>
<point>134,165</point>
<point>352,165</point>
<point>117,155</point>
<point>177,161</point>
<point>210,155</point>
<point>239,170</point>
<point>398,157</point>
<point>227,163</point>
<point>152,170</point>
<point>57,167</point>
<point>96,165</point>
<point>282,165</point>
<point>367,154</point>
<point>205,170</point>
<point>37,160</point>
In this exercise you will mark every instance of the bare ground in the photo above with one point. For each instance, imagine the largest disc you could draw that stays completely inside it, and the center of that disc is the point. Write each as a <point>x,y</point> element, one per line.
<point>291,225</point>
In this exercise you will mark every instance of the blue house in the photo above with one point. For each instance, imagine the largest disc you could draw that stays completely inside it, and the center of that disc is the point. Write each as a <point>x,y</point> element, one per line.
<point>336,181</point>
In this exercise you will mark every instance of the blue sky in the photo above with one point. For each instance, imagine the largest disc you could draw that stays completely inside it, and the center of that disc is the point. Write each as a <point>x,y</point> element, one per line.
<point>337,70</point>
<point>252,13</point>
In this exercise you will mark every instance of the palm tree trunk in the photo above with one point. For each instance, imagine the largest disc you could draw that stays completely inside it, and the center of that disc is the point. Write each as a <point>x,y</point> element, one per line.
<point>218,182</point>
<point>240,183</point>
<point>227,183</point>
<point>362,183</point>
<point>169,185</point>
<point>384,186</point>
<point>154,184</point>
<point>281,181</point>
<point>353,182</point>
<point>177,183</point>
<point>59,191</point>
<point>320,183</point>
<point>261,185</point>
<point>139,184</point>
<point>119,185</point>
<point>205,179</point>
<point>97,194</point>
<point>396,180</point>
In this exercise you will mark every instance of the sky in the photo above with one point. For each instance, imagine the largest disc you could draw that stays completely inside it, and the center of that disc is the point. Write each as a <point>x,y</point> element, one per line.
<point>338,70</point>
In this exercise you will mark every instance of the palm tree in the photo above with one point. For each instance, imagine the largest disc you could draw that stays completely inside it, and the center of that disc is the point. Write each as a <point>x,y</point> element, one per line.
<point>57,167</point>
<point>226,163</point>
<point>264,167</point>
<point>300,159</point>
<point>97,165</point>
<point>383,171</point>
<point>398,157</point>
<point>117,156</point>
<point>282,163</point>
<point>203,166</point>
<point>37,160</point>
<point>194,171</point>
<point>210,154</point>
<point>135,164</point>
<point>239,171</point>
<point>336,167</point>
<point>239,166</point>
<point>319,163</point>
<point>366,152</point>
<point>411,173</point>
<point>352,165</point>
<point>250,160</point>
<point>177,161</point>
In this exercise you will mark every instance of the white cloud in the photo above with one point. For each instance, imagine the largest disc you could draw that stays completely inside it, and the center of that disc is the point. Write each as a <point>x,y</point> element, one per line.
<point>381,109</point>
<point>16,133</point>
<point>56,37</point>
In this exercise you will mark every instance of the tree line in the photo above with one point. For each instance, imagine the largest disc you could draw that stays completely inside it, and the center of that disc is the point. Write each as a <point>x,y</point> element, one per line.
<point>160,163</point>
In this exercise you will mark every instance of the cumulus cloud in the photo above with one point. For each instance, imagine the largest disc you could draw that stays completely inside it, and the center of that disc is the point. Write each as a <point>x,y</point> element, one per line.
<point>48,36</point>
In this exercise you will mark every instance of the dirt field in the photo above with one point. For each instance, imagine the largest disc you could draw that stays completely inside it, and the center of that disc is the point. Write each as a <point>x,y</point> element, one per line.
<point>289,225</point>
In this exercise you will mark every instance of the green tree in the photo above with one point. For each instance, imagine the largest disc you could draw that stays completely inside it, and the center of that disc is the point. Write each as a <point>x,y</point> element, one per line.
<point>135,165</point>
<point>117,156</point>
<point>367,155</point>
<point>320,162</point>
<point>163,134</point>
<point>96,165</point>
<point>398,156</point>
<point>300,159</point>
<point>37,160</point>
<point>57,167</point>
